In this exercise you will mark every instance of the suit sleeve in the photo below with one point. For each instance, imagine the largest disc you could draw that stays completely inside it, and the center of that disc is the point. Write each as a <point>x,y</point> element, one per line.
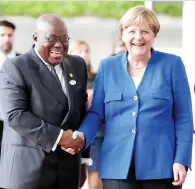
<point>14,96</point>
<point>182,113</point>
<point>95,116</point>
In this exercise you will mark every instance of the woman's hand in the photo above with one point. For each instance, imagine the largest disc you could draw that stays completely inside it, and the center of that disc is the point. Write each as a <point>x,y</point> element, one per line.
<point>180,173</point>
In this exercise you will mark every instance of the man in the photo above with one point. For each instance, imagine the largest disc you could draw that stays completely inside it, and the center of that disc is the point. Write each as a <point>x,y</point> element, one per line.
<point>7,30</point>
<point>44,97</point>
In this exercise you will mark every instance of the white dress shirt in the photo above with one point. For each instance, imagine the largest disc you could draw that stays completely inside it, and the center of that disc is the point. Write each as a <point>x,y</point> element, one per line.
<point>59,73</point>
<point>3,57</point>
<point>136,81</point>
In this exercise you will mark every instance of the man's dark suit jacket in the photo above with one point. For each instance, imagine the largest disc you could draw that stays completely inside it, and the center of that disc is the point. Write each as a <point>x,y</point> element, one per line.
<point>1,121</point>
<point>35,109</point>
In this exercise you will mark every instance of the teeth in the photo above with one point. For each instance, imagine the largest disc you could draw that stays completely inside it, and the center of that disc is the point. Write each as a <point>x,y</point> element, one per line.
<point>54,52</point>
<point>138,44</point>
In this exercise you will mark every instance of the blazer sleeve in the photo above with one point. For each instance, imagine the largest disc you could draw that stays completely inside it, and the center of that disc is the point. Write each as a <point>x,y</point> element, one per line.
<point>86,153</point>
<point>14,99</point>
<point>95,116</point>
<point>182,113</point>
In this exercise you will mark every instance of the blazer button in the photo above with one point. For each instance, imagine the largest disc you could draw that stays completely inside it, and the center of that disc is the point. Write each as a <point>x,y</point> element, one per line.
<point>135,98</point>
<point>133,131</point>
<point>133,114</point>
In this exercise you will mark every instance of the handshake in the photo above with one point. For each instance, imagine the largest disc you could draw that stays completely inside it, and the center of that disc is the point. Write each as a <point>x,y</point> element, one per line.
<point>72,142</point>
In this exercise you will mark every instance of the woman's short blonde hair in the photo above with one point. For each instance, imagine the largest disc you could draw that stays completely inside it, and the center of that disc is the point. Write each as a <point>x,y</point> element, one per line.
<point>136,14</point>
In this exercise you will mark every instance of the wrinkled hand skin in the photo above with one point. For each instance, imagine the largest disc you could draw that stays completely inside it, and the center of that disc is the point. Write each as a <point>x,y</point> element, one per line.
<point>76,136</point>
<point>180,173</point>
<point>71,141</point>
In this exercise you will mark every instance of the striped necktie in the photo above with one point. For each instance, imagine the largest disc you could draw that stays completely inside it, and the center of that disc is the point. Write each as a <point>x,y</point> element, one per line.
<point>53,71</point>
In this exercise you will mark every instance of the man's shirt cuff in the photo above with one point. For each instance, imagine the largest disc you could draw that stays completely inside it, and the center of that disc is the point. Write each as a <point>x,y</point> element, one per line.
<point>87,161</point>
<point>57,141</point>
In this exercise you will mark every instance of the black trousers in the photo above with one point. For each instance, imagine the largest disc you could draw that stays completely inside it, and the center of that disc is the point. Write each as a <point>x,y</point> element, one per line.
<point>132,183</point>
<point>141,184</point>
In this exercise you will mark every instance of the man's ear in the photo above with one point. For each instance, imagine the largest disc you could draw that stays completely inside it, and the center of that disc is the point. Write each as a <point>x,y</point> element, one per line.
<point>35,37</point>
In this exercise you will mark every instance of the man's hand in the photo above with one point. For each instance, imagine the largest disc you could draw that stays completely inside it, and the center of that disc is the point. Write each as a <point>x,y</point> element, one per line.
<point>75,136</point>
<point>68,142</point>
<point>180,174</point>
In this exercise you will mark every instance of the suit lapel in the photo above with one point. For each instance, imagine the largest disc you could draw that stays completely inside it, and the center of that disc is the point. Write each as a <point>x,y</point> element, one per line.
<point>68,71</point>
<point>47,79</point>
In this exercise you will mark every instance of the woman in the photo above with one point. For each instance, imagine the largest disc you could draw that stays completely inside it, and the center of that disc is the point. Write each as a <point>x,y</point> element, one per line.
<point>82,49</point>
<point>143,98</point>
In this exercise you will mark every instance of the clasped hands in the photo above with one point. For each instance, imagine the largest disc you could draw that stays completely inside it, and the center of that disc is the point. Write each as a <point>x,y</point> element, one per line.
<point>72,142</point>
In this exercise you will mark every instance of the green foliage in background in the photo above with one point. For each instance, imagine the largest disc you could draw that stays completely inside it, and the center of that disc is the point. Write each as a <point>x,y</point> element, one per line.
<point>106,9</point>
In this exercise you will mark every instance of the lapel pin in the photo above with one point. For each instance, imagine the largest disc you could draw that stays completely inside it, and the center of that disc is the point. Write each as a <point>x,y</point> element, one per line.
<point>71,75</point>
<point>72,82</point>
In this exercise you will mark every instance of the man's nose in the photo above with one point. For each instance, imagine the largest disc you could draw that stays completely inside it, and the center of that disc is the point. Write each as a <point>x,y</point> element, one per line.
<point>58,43</point>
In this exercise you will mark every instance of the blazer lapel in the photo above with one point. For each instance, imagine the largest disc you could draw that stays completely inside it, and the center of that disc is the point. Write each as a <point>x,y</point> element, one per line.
<point>126,83</point>
<point>149,79</point>
<point>47,79</point>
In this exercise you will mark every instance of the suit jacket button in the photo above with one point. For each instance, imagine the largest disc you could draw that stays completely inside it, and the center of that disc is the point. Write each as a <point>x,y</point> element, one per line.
<point>135,98</point>
<point>133,131</point>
